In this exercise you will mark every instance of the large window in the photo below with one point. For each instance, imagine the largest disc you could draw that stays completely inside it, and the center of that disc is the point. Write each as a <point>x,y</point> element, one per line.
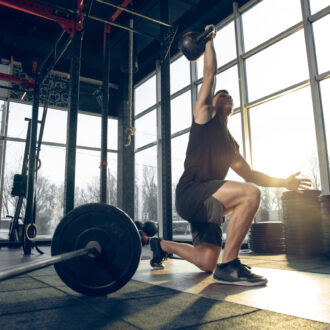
<point>280,127</point>
<point>179,74</point>
<point>283,137</point>
<point>277,67</point>
<point>55,126</point>
<point>267,19</point>
<point>146,193</point>
<point>325,88</point>
<point>50,177</point>
<point>322,44</point>
<point>146,129</point>
<point>181,112</point>
<point>145,95</point>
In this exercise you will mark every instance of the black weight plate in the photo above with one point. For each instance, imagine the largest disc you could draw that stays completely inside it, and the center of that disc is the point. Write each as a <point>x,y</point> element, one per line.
<point>267,230</point>
<point>267,237</point>
<point>288,194</point>
<point>120,242</point>
<point>324,198</point>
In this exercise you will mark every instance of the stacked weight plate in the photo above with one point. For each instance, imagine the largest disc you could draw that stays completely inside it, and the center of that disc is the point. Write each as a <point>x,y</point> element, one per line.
<point>267,237</point>
<point>325,215</point>
<point>302,219</point>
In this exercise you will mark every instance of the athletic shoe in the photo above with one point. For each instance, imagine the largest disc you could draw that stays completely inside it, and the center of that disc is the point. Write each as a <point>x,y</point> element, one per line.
<point>158,254</point>
<point>235,273</point>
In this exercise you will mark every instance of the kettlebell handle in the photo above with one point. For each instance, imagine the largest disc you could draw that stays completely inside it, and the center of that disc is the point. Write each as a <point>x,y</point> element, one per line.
<point>205,34</point>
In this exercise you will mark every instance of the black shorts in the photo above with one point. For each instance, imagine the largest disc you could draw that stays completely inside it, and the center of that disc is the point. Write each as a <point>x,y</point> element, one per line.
<point>195,203</point>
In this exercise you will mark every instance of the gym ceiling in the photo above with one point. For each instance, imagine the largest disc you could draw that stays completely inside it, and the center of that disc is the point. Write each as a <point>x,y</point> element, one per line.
<point>29,38</point>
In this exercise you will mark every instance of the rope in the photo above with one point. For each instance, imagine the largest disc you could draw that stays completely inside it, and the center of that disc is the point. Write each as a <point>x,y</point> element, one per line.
<point>130,131</point>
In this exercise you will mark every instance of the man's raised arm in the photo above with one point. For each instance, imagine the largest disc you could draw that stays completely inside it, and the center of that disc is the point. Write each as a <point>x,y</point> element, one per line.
<point>203,107</point>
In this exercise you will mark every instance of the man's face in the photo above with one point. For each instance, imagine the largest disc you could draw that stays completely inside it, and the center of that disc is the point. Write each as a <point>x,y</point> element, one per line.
<point>223,102</point>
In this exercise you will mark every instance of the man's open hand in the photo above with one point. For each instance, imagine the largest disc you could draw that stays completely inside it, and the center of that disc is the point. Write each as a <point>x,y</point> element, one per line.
<point>297,184</point>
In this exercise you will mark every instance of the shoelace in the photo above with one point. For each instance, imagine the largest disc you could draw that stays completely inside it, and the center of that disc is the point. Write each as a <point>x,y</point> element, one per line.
<point>243,265</point>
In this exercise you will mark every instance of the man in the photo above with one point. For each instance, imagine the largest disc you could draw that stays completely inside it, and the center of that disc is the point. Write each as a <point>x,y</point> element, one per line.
<point>203,197</point>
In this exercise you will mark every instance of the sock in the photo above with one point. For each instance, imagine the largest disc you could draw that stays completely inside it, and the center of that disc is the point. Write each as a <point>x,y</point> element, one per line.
<point>223,265</point>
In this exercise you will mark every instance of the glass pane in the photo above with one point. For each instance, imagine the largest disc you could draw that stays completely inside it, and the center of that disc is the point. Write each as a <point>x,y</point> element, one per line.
<point>277,67</point>
<point>13,165</point>
<point>146,129</point>
<point>145,95</point>
<point>269,18</point>
<point>181,228</point>
<point>325,88</point>
<point>317,5</point>
<point>180,74</point>
<point>225,36</point>
<point>281,146</point>
<point>283,137</point>
<point>112,178</point>
<point>235,129</point>
<point>229,80</point>
<point>181,116</point>
<point>87,177</point>
<point>146,185</point>
<point>322,45</point>
<point>17,126</point>
<point>89,131</point>
<point>50,188</point>
<point>55,126</point>
<point>113,134</point>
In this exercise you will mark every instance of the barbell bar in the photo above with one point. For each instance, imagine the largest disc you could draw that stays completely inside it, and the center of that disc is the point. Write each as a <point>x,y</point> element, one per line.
<point>11,272</point>
<point>96,249</point>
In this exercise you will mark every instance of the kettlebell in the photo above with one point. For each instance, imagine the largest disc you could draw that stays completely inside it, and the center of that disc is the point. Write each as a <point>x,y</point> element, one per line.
<point>192,44</point>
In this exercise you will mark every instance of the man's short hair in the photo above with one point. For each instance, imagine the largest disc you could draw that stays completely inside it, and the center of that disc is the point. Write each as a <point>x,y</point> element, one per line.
<point>221,91</point>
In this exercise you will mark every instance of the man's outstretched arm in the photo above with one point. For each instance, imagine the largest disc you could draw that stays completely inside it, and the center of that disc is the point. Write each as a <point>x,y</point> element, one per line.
<point>243,169</point>
<point>203,104</point>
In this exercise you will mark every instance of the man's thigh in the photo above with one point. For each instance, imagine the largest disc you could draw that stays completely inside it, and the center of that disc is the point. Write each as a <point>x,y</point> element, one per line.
<point>233,193</point>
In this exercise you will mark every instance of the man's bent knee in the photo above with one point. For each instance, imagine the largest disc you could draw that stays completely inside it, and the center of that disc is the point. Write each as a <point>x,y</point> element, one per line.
<point>253,194</point>
<point>207,266</point>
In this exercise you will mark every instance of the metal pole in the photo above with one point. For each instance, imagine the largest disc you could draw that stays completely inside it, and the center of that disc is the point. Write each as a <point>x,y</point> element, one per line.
<point>130,129</point>
<point>122,26</point>
<point>165,130</point>
<point>247,149</point>
<point>42,263</point>
<point>104,119</point>
<point>316,98</point>
<point>29,218</point>
<point>4,147</point>
<point>108,3</point>
<point>71,146</point>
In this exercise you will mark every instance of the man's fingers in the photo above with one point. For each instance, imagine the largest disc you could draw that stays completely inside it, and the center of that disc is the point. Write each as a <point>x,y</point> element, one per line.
<point>295,174</point>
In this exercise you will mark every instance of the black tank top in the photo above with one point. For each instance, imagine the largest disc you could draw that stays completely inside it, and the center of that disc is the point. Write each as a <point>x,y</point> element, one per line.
<point>210,151</point>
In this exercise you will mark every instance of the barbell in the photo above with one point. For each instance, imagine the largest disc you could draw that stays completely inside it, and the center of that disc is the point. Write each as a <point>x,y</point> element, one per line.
<point>96,249</point>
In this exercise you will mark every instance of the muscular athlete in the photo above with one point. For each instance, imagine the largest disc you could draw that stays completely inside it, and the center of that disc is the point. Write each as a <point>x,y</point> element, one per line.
<point>203,197</point>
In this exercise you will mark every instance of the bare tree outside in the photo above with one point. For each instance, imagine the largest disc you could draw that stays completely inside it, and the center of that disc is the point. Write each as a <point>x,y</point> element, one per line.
<point>149,193</point>
<point>46,202</point>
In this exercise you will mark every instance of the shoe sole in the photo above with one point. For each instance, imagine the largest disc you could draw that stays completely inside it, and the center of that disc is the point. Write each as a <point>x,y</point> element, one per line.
<point>157,268</point>
<point>241,283</point>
